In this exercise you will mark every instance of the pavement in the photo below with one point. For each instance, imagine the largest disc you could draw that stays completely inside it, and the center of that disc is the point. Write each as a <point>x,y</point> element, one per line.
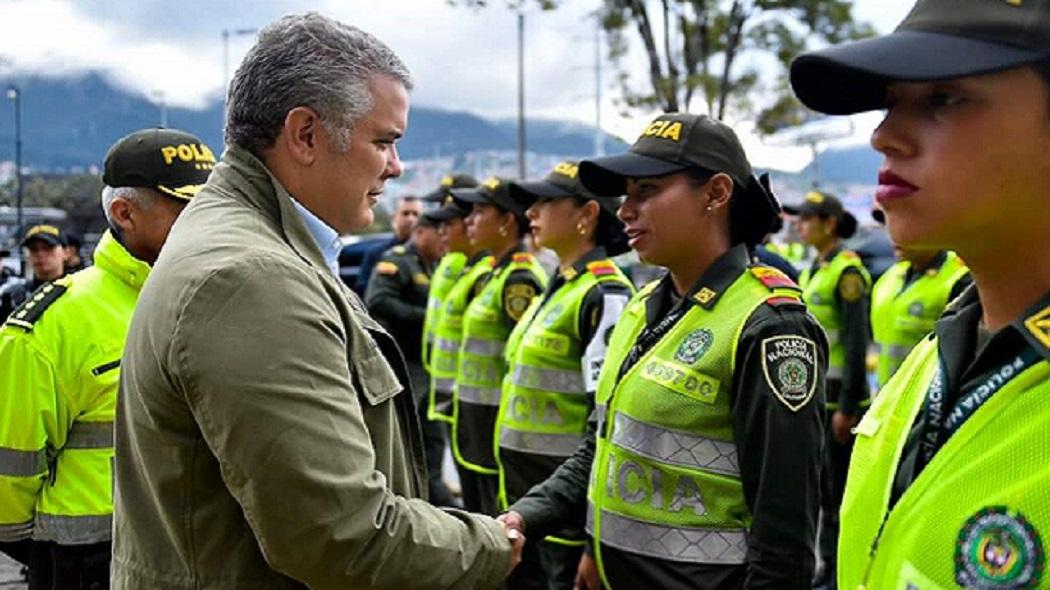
<point>10,578</point>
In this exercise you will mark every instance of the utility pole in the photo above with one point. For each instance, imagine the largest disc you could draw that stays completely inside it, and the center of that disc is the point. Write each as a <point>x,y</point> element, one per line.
<point>521,94</point>
<point>15,94</point>
<point>599,136</point>
<point>163,106</point>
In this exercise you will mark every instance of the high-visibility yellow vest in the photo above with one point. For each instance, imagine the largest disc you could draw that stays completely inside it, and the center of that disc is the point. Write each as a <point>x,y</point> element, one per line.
<point>978,515</point>
<point>448,333</point>
<point>545,403</point>
<point>447,272</point>
<point>820,292</point>
<point>59,368</point>
<point>481,366</point>
<point>666,466</point>
<point>901,316</point>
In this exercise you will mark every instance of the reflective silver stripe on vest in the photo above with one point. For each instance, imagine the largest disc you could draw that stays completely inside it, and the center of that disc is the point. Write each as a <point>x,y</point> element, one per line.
<point>694,545</point>
<point>16,532</point>
<point>483,347</point>
<point>555,380</point>
<point>22,463</point>
<point>600,410</point>
<point>675,447</point>
<point>896,351</point>
<point>72,530</point>
<point>90,435</point>
<point>834,373</point>
<point>446,345</point>
<point>444,385</point>
<point>536,443</point>
<point>482,396</point>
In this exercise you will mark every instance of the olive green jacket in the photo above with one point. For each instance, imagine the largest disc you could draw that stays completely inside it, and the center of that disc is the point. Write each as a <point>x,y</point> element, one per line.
<point>264,438</point>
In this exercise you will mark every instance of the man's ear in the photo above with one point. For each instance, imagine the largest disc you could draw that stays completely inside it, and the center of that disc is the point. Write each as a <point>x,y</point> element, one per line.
<point>719,191</point>
<point>122,214</point>
<point>301,135</point>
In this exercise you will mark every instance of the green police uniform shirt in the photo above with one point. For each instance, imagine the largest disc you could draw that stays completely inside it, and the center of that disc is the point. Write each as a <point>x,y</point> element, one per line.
<point>59,359</point>
<point>949,485</point>
<point>776,441</point>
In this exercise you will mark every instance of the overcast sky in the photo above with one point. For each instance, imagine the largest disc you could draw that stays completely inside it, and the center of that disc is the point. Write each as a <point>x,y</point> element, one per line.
<point>461,59</point>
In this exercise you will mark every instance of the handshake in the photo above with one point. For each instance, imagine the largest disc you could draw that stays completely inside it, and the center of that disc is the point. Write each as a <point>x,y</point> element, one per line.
<point>514,526</point>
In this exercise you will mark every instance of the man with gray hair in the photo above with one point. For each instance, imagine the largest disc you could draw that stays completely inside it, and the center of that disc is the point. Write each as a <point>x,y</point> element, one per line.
<point>59,366</point>
<point>266,434</point>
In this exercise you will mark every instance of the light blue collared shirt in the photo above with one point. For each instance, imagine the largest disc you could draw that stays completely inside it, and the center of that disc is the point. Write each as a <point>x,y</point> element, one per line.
<point>327,238</point>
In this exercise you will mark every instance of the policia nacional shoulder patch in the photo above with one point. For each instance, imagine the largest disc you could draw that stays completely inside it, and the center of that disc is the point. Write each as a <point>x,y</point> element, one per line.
<point>33,307</point>
<point>999,550</point>
<point>790,367</point>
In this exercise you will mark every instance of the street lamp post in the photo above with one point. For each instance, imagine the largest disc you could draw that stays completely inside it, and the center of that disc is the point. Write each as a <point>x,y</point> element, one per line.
<point>15,93</point>
<point>521,94</point>
<point>226,34</point>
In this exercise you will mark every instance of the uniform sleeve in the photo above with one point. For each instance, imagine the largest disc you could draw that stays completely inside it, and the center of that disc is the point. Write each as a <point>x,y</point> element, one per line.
<point>853,300</point>
<point>778,414</point>
<point>560,501</point>
<point>34,421</point>
<point>385,295</point>
<point>601,307</point>
<point>278,408</point>
<point>518,291</point>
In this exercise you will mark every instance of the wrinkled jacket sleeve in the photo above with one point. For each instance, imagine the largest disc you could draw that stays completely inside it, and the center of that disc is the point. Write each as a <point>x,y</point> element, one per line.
<point>30,417</point>
<point>260,354</point>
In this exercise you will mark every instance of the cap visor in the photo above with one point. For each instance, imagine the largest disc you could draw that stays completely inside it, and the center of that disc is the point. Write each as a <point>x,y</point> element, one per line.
<point>435,196</point>
<point>852,77</point>
<point>541,189</point>
<point>447,213</point>
<point>469,195</point>
<point>606,177</point>
<point>802,209</point>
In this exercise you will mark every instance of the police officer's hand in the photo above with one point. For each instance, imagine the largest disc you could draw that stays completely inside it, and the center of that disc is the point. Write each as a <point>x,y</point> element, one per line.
<point>841,424</point>
<point>587,574</point>
<point>514,527</point>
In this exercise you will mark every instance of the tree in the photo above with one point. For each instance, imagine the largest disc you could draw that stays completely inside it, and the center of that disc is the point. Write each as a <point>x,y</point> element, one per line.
<point>699,50</point>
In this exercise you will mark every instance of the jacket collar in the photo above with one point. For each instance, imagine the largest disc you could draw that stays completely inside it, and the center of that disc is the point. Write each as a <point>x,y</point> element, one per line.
<point>115,259</point>
<point>241,172</point>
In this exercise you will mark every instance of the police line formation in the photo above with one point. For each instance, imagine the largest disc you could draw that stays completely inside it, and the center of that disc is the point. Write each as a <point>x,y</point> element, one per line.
<point>273,430</point>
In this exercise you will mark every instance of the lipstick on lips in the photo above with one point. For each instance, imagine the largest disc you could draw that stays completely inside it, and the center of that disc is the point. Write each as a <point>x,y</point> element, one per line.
<point>892,187</point>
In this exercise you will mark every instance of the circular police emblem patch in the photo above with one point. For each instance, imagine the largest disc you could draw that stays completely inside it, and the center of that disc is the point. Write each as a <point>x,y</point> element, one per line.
<point>999,550</point>
<point>694,346</point>
<point>915,309</point>
<point>790,367</point>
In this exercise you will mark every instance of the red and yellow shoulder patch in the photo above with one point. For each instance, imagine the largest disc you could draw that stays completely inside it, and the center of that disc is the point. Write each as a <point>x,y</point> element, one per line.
<point>386,268</point>
<point>601,268</point>
<point>522,257</point>
<point>772,278</point>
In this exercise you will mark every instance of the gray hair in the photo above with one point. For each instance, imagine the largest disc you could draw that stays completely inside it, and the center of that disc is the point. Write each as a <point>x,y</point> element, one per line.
<point>306,60</point>
<point>141,197</point>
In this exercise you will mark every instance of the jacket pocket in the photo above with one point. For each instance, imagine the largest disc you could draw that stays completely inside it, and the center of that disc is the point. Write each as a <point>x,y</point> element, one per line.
<point>378,381</point>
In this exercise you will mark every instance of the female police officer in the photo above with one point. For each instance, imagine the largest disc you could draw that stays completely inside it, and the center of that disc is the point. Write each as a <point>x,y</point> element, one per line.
<point>554,355</point>
<point>835,289</point>
<point>949,484</point>
<point>496,223</point>
<point>710,401</point>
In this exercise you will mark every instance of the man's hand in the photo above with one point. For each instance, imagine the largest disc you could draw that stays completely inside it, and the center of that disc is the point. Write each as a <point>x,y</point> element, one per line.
<point>587,574</point>
<point>841,424</point>
<point>514,526</point>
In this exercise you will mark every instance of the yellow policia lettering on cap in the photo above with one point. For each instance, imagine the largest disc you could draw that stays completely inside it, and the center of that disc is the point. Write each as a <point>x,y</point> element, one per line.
<point>447,181</point>
<point>191,152</point>
<point>1039,326</point>
<point>567,169</point>
<point>815,197</point>
<point>1014,2</point>
<point>664,130</point>
<point>491,183</point>
<point>42,229</point>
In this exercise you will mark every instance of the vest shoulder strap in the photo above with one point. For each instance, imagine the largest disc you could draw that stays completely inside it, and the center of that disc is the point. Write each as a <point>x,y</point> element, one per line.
<point>33,308</point>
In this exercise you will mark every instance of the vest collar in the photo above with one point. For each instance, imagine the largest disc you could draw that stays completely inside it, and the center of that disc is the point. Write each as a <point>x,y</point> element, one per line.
<point>707,290</point>
<point>477,257</point>
<point>113,258</point>
<point>509,256</point>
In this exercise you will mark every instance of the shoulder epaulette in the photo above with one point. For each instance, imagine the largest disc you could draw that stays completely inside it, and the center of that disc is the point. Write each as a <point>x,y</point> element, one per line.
<point>35,305</point>
<point>522,257</point>
<point>399,250</point>
<point>601,268</point>
<point>773,278</point>
<point>849,254</point>
<point>785,299</point>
